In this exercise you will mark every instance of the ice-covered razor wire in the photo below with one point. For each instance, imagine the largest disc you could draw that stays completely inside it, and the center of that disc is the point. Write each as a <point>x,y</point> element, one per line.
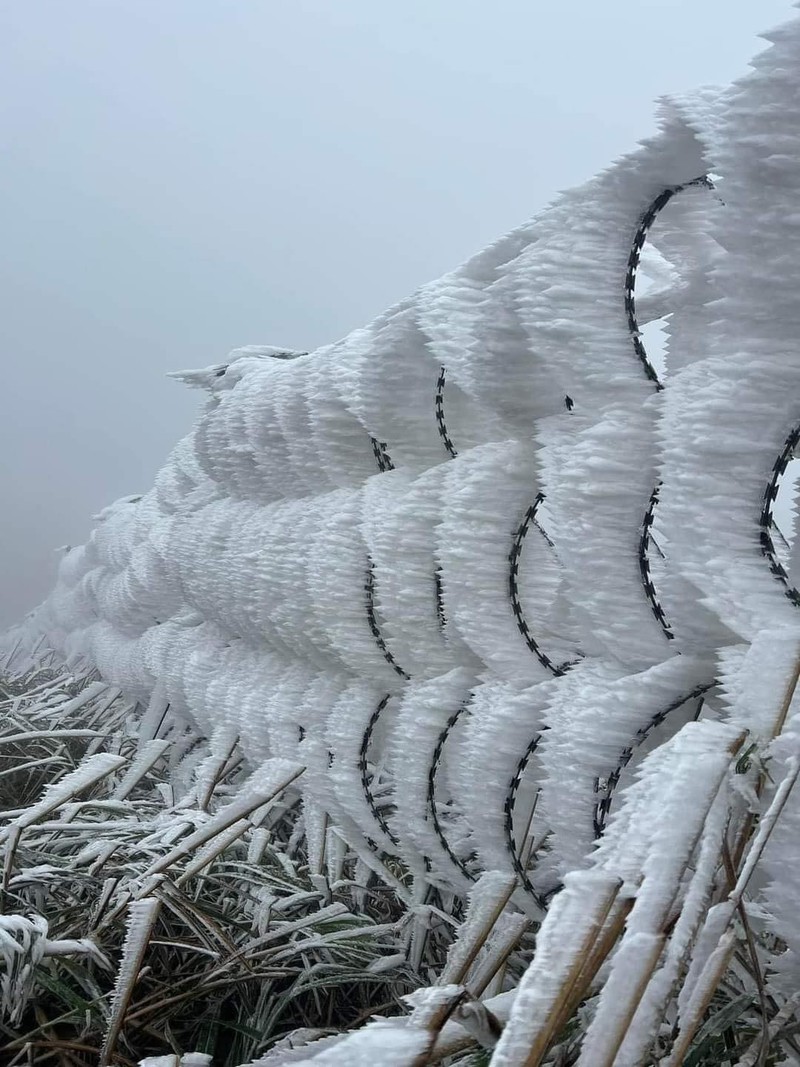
<point>428,562</point>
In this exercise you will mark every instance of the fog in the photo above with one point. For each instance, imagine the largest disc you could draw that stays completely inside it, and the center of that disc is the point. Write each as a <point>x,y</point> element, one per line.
<point>181,177</point>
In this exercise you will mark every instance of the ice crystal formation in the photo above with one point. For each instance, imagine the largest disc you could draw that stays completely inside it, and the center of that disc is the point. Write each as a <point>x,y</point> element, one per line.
<point>471,563</point>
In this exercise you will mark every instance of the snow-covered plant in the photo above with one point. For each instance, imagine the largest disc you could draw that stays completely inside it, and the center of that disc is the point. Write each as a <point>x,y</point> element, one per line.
<point>493,601</point>
<point>655,954</point>
<point>119,939</point>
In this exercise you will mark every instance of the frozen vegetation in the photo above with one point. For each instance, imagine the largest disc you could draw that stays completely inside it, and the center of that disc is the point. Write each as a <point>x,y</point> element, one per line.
<point>447,673</point>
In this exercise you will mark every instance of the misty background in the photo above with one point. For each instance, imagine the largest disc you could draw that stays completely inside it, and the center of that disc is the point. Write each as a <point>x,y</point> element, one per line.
<point>182,177</point>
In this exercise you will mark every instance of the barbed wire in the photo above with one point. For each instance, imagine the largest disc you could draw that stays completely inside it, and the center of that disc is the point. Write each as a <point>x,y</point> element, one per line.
<point>767,520</point>
<point>634,257</point>
<point>372,619</point>
<point>366,779</point>
<point>609,784</point>
<point>508,810</point>
<point>432,803</point>
<point>645,538</point>
<point>439,409</point>
<point>514,557</point>
<point>382,457</point>
<point>440,612</point>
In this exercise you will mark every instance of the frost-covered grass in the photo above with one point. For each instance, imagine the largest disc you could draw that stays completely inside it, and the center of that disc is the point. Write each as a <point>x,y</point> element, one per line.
<point>153,900</point>
<point>237,945</point>
<point>495,608</point>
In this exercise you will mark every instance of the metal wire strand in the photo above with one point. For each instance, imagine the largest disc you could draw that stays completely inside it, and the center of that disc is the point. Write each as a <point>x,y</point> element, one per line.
<point>645,539</point>
<point>639,239</point>
<point>433,808</point>
<point>514,557</point>
<point>508,809</point>
<point>608,785</point>
<point>372,619</point>
<point>439,409</point>
<point>767,520</point>
<point>366,778</point>
<point>382,457</point>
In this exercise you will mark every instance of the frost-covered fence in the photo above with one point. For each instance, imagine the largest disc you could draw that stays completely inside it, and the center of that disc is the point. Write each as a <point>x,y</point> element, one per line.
<point>471,563</point>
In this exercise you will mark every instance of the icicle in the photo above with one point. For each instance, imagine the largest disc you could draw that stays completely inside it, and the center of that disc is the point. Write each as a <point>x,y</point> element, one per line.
<point>487,493</point>
<point>498,747</point>
<point>471,324</point>
<point>730,419</point>
<point>597,719</point>
<point>354,733</point>
<point>142,915</point>
<point>396,377</point>
<point>419,720</point>
<point>399,523</point>
<point>23,942</point>
<point>338,578</point>
<point>91,770</point>
<point>341,442</point>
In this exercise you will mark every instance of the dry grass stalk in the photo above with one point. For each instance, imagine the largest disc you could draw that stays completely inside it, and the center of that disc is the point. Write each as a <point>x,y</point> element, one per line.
<point>595,959</point>
<point>487,902</point>
<point>142,915</point>
<point>716,966</point>
<point>497,955</point>
<point>551,982</point>
<point>748,823</point>
<point>478,924</point>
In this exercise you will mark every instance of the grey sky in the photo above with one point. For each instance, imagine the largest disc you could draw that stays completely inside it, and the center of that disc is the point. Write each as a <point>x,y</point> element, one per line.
<point>180,177</point>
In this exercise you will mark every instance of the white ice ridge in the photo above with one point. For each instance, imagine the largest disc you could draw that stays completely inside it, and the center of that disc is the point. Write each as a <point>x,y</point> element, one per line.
<point>470,563</point>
